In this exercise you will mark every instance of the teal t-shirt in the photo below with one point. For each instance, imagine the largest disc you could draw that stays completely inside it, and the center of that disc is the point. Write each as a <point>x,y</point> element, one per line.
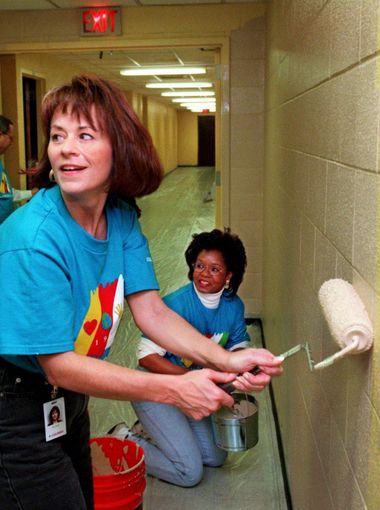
<point>225,325</point>
<point>6,194</point>
<point>62,289</point>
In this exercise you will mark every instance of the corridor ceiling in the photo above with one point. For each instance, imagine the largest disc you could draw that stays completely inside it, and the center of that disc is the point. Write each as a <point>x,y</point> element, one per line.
<point>109,62</point>
<point>72,4</point>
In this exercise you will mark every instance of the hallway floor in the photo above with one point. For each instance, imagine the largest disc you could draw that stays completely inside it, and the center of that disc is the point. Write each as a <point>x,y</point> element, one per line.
<point>248,480</point>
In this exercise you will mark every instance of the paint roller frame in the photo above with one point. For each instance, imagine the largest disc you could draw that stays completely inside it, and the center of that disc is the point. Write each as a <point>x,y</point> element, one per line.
<point>338,300</point>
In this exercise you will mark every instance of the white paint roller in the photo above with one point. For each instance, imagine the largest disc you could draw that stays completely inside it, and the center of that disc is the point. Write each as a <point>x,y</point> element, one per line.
<point>347,319</point>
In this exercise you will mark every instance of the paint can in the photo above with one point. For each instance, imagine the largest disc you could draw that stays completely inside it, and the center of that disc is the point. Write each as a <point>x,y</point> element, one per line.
<point>237,429</point>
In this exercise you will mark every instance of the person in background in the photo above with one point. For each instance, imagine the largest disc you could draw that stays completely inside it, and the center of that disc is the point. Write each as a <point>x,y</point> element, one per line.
<point>8,194</point>
<point>176,446</point>
<point>68,258</point>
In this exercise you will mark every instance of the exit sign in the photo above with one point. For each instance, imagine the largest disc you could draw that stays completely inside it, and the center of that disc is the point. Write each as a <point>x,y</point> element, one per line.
<point>101,21</point>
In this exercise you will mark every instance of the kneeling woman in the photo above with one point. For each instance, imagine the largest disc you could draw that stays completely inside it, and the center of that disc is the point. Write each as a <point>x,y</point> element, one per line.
<point>179,446</point>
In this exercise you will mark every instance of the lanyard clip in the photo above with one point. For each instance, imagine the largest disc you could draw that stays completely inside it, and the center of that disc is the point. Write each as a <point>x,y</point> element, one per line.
<point>54,392</point>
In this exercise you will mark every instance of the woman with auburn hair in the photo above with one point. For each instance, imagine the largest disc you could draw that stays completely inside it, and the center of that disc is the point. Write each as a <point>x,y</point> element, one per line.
<point>68,259</point>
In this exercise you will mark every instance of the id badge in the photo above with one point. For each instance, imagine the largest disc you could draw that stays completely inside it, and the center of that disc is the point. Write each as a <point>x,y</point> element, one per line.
<point>55,418</point>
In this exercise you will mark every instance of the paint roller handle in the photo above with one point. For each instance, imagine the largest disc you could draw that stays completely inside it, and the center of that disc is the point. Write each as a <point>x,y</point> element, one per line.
<point>340,354</point>
<point>230,387</point>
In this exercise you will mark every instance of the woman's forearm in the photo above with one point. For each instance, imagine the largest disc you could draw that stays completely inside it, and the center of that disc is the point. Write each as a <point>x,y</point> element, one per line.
<point>159,365</point>
<point>176,335</point>
<point>195,393</point>
<point>100,378</point>
<point>168,329</point>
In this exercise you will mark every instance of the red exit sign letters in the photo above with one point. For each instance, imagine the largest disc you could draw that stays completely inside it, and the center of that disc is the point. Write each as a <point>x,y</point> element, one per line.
<point>101,21</point>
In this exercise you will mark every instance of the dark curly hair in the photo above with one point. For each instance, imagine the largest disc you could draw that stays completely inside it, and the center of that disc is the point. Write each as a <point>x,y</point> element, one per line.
<point>136,169</point>
<point>231,248</point>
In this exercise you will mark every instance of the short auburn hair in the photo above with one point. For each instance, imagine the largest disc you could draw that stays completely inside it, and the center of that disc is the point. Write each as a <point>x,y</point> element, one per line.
<point>136,168</point>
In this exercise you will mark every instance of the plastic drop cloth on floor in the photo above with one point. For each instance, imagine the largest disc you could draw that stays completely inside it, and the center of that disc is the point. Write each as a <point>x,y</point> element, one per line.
<point>251,479</point>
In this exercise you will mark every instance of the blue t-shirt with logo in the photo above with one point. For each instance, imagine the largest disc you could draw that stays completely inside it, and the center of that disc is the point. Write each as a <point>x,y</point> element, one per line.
<point>225,325</point>
<point>62,289</point>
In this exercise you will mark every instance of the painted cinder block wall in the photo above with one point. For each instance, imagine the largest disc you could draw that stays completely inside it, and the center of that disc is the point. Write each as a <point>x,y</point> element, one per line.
<point>321,199</point>
<point>247,65</point>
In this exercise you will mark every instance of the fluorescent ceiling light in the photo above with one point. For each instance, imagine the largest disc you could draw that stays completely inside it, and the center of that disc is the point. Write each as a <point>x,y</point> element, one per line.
<point>178,85</point>
<point>194,100</point>
<point>162,71</point>
<point>198,105</point>
<point>202,93</point>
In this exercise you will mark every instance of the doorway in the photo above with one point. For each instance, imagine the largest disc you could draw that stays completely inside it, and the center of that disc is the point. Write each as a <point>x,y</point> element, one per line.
<point>29,87</point>
<point>206,140</point>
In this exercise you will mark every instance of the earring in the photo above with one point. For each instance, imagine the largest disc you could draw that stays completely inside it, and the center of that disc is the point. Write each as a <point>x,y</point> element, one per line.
<point>51,176</point>
<point>227,284</point>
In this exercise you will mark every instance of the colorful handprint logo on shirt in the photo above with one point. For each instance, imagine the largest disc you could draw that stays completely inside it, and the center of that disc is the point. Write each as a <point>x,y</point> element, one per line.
<point>102,320</point>
<point>4,185</point>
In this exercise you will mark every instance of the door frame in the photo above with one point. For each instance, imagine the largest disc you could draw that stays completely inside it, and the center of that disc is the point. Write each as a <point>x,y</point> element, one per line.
<point>222,87</point>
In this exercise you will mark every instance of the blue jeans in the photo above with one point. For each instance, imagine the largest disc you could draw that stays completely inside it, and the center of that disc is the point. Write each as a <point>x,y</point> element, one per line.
<point>182,446</point>
<point>35,474</point>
